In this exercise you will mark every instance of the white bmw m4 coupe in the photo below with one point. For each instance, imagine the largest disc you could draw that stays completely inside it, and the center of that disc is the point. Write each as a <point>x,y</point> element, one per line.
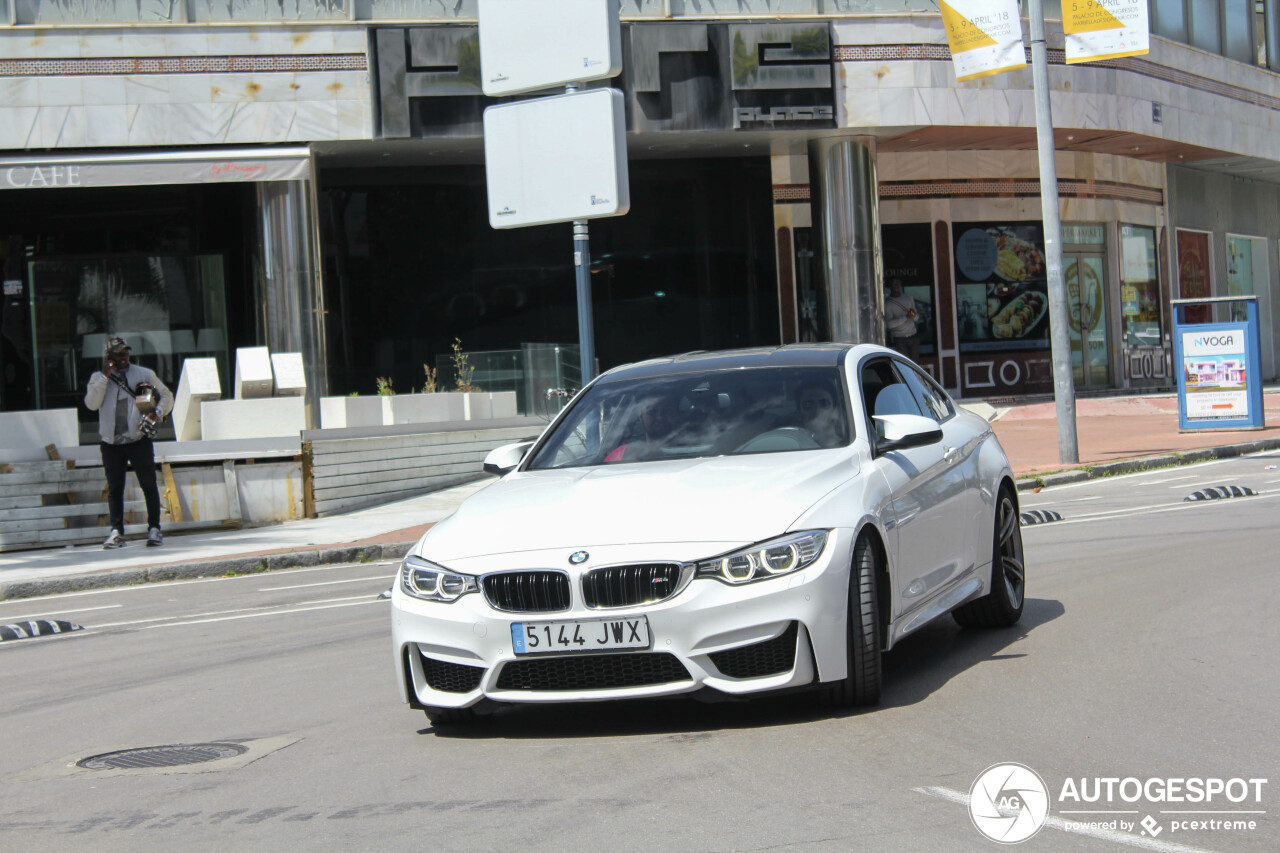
<point>741,522</point>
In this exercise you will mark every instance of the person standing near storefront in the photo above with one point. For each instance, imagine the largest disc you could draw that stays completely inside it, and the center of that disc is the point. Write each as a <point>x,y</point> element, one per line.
<point>900,321</point>
<point>130,401</point>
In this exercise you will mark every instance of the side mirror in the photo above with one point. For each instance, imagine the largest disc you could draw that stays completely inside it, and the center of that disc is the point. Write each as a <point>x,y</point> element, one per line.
<point>899,432</point>
<point>504,459</point>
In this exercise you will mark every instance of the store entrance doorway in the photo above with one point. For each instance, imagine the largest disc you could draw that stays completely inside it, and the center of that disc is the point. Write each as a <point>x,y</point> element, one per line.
<point>1087,315</point>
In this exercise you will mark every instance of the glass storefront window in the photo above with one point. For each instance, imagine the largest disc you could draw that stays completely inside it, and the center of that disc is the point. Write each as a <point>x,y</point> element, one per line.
<point>1246,258</point>
<point>168,307</point>
<point>413,266</point>
<point>1206,26</point>
<point>1001,289</point>
<point>1169,20</point>
<point>908,258</point>
<point>1140,320</point>
<point>1238,30</point>
<point>1194,264</point>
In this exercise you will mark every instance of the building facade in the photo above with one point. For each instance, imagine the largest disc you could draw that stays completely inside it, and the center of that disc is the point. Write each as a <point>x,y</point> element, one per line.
<point>200,176</point>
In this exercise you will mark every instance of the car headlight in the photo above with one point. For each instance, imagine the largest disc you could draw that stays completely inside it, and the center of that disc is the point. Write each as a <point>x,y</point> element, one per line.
<point>423,579</point>
<point>763,560</point>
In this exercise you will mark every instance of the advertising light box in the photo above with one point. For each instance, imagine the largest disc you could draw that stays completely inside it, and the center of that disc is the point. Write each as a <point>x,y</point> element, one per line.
<point>526,45</point>
<point>556,159</point>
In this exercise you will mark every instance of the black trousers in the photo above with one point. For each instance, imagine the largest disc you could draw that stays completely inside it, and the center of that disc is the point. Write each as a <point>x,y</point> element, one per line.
<point>116,458</point>
<point>908,346</point>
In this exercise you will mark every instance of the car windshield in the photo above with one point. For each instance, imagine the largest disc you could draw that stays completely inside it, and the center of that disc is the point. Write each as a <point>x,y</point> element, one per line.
<point>690,415</point>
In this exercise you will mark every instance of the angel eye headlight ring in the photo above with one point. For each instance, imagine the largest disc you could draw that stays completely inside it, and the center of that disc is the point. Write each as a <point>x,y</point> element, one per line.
<point>764,560</point>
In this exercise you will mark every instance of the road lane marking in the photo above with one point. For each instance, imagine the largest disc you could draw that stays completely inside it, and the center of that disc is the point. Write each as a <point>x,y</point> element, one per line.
<point>1172,479</point>
<point>1095,482</point>
<point>262,608</point>
<point>267,613</point>
<point>152,585</point>
<point>56,613</point>
<point>1068,501</point>
<point>1148,510</point>
<point>382,578</point>
<point>1076,828</point>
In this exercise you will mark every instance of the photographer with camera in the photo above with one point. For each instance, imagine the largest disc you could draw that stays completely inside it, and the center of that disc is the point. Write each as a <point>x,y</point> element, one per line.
<point>131,402</point>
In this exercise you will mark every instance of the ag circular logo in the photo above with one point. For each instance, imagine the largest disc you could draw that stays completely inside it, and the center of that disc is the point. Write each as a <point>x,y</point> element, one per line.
<point>577,558</point>
<point>1008,803</point>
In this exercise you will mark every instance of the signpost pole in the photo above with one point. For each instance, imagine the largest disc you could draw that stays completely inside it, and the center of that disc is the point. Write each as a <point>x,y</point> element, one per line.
<point>1064,393</point>
<point>586,329</point>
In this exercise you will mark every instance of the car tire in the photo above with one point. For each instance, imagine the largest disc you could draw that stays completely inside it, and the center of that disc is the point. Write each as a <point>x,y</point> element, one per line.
<point>1002,605</point>
<point>450,716</point>
<point>861,686</point>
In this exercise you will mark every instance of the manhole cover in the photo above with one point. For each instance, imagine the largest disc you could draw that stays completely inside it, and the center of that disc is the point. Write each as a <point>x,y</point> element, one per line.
<point>1039,516</point>
<point>1215,493</point>
<point>162,756</point>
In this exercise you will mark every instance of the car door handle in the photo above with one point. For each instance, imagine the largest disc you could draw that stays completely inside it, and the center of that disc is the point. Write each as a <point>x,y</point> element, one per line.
<point>950,454</point>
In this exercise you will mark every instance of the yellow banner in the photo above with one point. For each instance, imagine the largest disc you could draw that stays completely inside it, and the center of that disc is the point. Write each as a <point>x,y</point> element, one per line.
<point>985,36</point>
<point>1105,29</point>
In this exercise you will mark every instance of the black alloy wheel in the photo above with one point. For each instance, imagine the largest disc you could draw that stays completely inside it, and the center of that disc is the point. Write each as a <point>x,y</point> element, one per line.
<point>1002,606</point>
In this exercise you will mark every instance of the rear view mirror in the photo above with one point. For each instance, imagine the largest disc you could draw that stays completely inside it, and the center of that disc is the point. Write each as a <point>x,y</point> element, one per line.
<point>504,459</point>
<point>899,432</point>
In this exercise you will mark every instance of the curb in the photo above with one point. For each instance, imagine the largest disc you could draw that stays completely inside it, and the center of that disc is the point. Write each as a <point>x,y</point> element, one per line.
<point>1146,463</point>
<point>203,569</point>
<point>395,550</point>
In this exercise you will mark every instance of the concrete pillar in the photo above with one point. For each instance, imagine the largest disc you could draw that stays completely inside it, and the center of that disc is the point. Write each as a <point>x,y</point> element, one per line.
<point>290,297</point>
<point>847,224</point>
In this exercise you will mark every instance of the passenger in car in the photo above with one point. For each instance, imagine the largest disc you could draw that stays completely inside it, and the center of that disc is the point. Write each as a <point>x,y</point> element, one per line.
<point>654,419</point>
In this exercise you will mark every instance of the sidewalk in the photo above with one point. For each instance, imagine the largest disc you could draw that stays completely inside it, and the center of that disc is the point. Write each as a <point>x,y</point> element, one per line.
<point>379,533</point>
<point>1114,434</point>
<point>1109,429</point>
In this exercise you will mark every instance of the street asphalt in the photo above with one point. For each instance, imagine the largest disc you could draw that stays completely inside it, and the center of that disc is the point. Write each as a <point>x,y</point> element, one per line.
<point>1116,435</point>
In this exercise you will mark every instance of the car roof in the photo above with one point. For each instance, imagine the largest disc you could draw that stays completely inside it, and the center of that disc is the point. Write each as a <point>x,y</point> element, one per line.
<point>789,355</point>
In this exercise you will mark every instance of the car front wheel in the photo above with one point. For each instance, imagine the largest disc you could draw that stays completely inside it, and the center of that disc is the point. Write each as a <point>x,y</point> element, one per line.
<point>1002,606</point>
<point>861,686</point>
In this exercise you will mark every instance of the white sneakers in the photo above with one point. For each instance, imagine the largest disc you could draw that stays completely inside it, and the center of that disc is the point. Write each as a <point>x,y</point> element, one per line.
<point>116,539</point>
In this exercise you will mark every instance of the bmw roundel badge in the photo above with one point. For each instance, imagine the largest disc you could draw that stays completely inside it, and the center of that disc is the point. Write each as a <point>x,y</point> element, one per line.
<point>577,558</point>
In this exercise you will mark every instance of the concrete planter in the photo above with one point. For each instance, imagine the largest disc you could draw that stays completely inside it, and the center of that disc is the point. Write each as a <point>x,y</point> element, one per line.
<point>263,417</point>
<point>483,405</point>
<point>339,412</point>
<point>423,408</point>
<point>27,433</point>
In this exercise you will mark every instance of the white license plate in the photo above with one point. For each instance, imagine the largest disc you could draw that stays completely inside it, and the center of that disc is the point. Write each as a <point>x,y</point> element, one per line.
<point>580,635</point>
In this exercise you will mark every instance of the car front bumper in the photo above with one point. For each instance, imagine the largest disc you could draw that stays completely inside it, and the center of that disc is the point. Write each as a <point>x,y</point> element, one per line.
<point>752,638</point>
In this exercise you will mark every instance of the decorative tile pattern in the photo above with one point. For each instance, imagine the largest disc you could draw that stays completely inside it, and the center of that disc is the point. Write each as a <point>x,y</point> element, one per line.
<point>1057,56</point>
<point>1015,188</point>
<point>790,193</point>
<point>137,65</point>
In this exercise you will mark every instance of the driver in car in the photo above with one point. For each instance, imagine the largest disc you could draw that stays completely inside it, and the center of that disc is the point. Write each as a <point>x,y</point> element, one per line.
<point>655,419</point>
<point>819,414</point>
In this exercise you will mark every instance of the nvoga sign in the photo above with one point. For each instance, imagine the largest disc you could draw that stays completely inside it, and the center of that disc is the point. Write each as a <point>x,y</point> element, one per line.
<point>1219,386</point>
<point>1230,342</point>
<point>676,77</point>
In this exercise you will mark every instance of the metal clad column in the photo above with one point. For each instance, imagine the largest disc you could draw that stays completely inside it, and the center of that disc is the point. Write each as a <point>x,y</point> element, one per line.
<point>290,297</point>
<point>845,203</point>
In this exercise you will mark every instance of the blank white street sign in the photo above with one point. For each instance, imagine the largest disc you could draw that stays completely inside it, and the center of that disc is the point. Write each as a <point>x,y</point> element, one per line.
<point>526,45</point>
<point>556,159</point>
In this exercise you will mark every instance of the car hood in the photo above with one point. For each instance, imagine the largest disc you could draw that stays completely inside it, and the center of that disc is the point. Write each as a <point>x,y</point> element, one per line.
<point>729,499</point>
